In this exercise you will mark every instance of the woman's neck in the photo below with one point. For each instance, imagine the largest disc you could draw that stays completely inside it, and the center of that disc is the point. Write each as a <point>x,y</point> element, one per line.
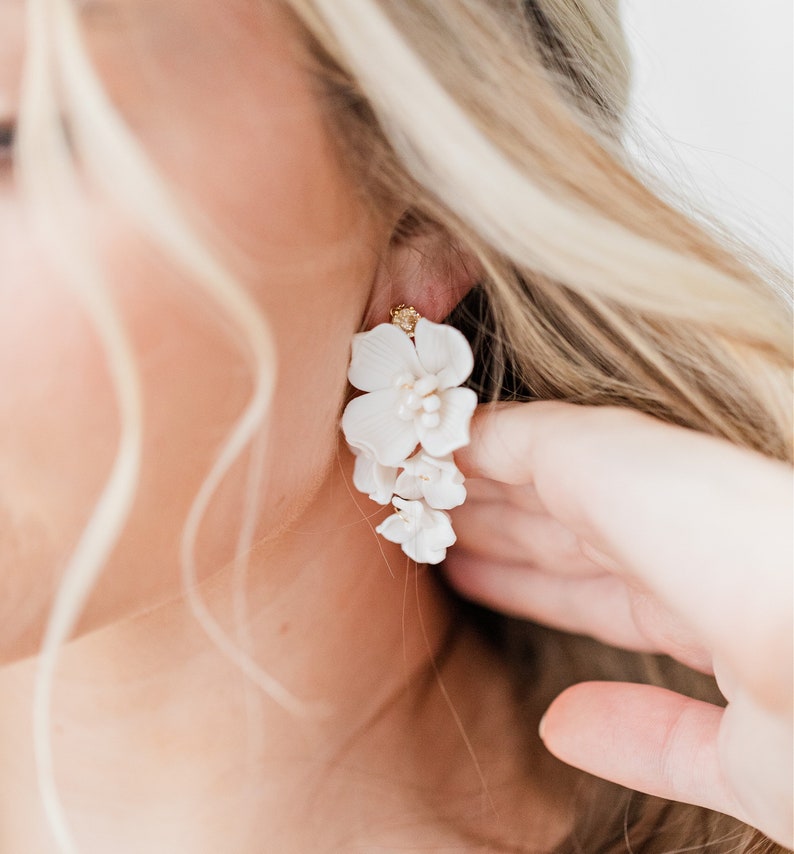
<point>162,745</point>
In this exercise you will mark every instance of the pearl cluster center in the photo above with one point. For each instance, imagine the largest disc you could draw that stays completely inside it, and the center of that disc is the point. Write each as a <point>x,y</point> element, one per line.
<point>418,399</point>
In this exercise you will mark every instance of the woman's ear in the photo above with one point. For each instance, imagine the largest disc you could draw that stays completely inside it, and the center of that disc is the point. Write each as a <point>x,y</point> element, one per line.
<point>425,269</point>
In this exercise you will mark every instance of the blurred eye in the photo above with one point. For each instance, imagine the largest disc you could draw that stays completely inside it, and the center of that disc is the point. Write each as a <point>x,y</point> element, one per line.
<point>7,134</point>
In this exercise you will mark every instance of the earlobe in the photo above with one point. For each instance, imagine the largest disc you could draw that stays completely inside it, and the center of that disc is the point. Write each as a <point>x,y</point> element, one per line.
<point>425,269</point>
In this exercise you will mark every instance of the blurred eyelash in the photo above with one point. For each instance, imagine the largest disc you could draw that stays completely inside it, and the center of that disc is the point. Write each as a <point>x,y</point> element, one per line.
<point>7,136</point>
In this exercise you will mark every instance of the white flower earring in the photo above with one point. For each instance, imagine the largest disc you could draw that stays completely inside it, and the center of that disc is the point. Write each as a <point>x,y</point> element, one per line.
<point>404,429</point>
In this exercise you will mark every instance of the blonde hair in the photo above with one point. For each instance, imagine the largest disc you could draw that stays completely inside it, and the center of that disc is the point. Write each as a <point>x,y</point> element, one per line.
<point>500,122</point>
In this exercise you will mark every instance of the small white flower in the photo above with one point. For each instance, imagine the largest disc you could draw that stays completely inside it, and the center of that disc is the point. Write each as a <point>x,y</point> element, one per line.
<point>435,479</point>
<point>412,392</point>
<point>371,477</point>
<point>424,533</point>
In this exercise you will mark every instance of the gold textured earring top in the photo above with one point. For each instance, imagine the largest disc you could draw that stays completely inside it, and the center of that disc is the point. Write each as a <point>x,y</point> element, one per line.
<point>406,317</point>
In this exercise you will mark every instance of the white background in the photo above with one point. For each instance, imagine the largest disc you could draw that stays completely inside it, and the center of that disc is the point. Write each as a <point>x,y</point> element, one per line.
<point>713,105</point>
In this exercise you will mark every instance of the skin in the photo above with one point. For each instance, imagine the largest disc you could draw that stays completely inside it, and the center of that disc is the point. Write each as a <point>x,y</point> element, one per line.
<point>160,745</point>
<point>655,538</point>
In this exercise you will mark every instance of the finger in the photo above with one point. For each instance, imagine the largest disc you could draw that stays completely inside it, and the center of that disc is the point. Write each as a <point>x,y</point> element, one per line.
<point>502,532</point>
<point>667,633</point>
<point>596,606</point>
<point>692,517</point>
<point>602,607</point>
<point>645,738</point>
<point>523,497</point>
<point>756,749</point>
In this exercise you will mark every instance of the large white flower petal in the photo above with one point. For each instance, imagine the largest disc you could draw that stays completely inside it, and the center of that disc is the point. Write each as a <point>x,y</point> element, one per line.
<point>370,422</point>
<point>379,355</point>
<point>371,477</point>
<point>457,407</point>
<point>443,351</point>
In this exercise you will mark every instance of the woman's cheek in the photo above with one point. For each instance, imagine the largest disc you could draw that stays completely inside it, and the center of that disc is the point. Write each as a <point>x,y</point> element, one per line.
<point>305,248</point>
<point>59,423</point>
<point>57,427</point>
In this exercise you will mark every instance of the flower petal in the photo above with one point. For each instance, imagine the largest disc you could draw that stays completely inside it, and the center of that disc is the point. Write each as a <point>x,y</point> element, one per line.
<point>457,407</point>
<point>379,355</point>
<point>443,493</point>
<point>435,479</point>
<point>370,422</point>
<point>407,486</point>
<point>444,351</point>
<point>371,477</point>
<point>445,463</point>
<point>423,533</point>
<point>432,540</point>
<point>396,529</point>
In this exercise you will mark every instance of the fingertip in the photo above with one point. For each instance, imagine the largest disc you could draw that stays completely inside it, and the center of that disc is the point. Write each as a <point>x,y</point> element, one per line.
<point>469,459</point>
<point>465,460</point>
<point>560,705</point>
<point>491,440</point>
<point>567,725</point>
<point>504,435</point>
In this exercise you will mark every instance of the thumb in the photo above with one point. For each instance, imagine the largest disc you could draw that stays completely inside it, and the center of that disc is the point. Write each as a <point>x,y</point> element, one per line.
<point>656,741</point>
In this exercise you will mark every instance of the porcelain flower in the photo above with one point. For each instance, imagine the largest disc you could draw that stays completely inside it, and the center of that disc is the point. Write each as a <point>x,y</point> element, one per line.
<point>371,477</point>
<point>424,533</point>
<point>412,394</point>
<point>435,479</point>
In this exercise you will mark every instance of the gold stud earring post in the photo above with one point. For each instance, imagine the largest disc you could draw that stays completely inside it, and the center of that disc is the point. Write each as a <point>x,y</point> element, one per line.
<point>405,317</point>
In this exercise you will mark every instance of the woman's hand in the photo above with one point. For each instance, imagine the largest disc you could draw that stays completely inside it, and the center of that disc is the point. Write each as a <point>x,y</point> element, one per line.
<point>606,522</point>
